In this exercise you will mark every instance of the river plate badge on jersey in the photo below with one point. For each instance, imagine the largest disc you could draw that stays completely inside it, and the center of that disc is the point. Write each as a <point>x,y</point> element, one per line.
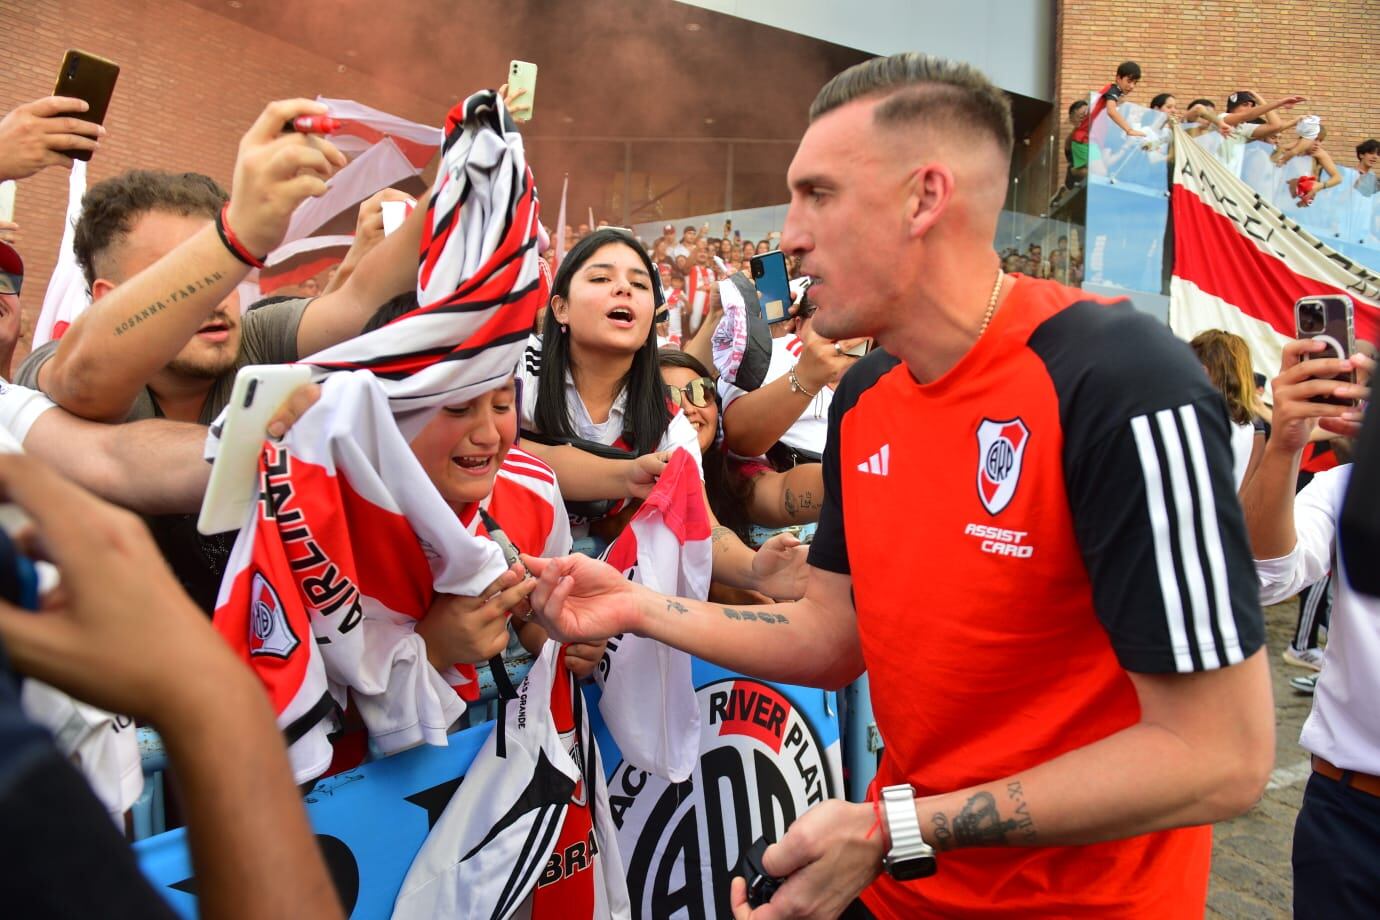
<point>1001,446</point>
<point>768,752</point>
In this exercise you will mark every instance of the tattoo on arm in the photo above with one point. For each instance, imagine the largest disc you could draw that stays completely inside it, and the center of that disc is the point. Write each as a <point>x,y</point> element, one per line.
<point>721,538</point>
<point>796,503</point>
<point>979,822</point>
<point>158,306</point>
<point>789,502</point>
<point>761,616</point>
<point>676,607</point>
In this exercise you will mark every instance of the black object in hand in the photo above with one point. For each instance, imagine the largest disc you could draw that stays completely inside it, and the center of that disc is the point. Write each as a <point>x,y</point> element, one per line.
<point>760,885</point>
<point>1360,523</point>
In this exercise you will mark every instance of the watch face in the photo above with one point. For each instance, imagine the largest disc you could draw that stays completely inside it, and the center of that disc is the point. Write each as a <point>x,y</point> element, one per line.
<point>907,870</point>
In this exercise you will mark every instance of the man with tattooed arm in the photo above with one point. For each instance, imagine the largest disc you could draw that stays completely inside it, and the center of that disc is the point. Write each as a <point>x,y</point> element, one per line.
<point>1030,540</point>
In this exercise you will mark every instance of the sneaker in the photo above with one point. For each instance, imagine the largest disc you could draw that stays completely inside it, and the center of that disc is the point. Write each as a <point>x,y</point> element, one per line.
<point>1304,658</point>
<point>1305,685</point>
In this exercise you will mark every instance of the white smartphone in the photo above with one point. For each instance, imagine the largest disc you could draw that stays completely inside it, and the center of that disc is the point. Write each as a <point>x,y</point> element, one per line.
<point>7,199</point>
<point>259,391</point>
<point>523,76</point>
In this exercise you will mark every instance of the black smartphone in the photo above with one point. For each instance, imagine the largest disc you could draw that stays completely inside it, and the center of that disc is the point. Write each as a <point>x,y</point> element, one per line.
<point>773,286</point>
<point>1331,319</point>
<point>760,885</point>
<point>91,78</point>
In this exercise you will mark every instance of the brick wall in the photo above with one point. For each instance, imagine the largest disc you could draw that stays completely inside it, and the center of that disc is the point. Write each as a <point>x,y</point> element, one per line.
<point>190,83</point>
<point>1322,49</point>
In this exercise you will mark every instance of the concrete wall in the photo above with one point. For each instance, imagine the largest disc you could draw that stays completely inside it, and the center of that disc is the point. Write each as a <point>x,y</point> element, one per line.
<point>1011,40</point>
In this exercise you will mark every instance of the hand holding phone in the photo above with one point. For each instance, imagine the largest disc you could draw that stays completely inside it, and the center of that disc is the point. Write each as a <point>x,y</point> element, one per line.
<point>773,287</point>
<point>91,79</point>
<point>260,389</point>
<point>1329,318</point>
<point>521,89</point>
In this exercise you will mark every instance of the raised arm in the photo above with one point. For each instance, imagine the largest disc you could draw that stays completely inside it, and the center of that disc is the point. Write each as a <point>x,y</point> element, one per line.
<point>134,329</point>
<point>386,267</point>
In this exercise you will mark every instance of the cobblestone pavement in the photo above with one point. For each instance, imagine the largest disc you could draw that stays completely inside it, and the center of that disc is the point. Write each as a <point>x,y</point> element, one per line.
<point>1251,877</point>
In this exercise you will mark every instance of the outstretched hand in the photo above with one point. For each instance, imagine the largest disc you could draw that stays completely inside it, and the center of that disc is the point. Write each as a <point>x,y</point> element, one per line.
<point>582,600</point>
<point>781,569</point>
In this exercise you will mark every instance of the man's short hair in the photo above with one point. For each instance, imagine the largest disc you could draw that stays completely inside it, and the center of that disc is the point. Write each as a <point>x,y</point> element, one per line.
<point>1207,102</point>
<point>922,87</point>
<point>1369,145</point>
<point>109,209</point>
<point>1128,69</point>
<point>1077,104</point>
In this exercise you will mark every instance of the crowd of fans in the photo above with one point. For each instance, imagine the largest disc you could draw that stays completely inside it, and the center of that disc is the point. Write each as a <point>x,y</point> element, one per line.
<point>606,391</point>
<point>1294,170</point>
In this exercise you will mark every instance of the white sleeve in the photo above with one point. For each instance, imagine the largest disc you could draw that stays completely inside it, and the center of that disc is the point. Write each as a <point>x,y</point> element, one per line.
<point>728,393</point>
<point>528,376</point>
<point>20,407</point>
<point>1315,529</point>
<point>103,746</point>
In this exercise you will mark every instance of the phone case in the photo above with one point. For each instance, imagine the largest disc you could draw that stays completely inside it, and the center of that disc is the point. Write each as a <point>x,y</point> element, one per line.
<point>773,287</point>
<point>523,75</point>
<point>258,392</point>
<point>1331,318</point>
<point>89,77</point>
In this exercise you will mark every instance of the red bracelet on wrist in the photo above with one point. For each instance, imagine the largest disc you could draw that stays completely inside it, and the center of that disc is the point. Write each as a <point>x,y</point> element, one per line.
<point>875,798</point>
<point>232,242</point>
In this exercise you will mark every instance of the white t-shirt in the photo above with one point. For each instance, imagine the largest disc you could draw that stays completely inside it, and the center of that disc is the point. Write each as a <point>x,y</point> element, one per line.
<point>679,433</point>
<point>20,407</point>
<point>1242,443</point>
<point>811,430</point>
<point>1344,726</point>
<point>1232,149</point>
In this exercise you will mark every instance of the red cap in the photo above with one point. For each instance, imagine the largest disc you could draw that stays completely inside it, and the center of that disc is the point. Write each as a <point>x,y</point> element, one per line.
<point>10,262</point>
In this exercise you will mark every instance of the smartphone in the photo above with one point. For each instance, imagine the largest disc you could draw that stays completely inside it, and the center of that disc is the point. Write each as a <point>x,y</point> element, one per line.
<point>86,76</point>
<point>260,389</point>
<point>773,287</point>
<point>1331,318</point>
<point>859,349</point>
<point>522,75</point>
<point>7,199</point>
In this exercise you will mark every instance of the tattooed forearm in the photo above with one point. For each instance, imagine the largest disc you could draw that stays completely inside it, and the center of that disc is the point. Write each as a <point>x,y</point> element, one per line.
<point>676,607</point>
<point>158,306</point>
<point>763,616</point>
<point>979,823</point>
<point>721,538</point>
<point>798,504</point>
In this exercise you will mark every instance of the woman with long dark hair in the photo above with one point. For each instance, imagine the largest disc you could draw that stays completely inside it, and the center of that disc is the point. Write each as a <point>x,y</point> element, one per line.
<point>595,378</point>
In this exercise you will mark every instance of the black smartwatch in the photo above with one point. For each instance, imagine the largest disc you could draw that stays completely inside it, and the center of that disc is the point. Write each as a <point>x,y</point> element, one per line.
<point>910,857</point>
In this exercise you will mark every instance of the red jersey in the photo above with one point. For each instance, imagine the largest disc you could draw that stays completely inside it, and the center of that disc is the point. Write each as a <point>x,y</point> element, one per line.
<point>1053,512</point>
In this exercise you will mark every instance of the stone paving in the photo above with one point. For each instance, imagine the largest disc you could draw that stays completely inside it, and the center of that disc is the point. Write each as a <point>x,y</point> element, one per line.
<point>1251,877</point>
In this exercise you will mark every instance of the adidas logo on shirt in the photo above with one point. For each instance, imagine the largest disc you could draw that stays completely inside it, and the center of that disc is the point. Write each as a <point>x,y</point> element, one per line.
<point>879,464</point>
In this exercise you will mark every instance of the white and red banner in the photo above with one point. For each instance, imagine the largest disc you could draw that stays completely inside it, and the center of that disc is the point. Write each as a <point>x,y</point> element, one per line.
<point>1240,263</point>
<point>66,297</point>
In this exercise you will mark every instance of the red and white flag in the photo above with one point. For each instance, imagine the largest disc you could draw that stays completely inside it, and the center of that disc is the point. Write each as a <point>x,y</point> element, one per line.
<point>1240,263</point>
<point>66,297</point>
<point>559,242</point>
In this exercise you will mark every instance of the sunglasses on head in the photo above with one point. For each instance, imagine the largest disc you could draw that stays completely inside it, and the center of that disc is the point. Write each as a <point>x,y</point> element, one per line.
<point>698,391</point>
<point>10,283</point>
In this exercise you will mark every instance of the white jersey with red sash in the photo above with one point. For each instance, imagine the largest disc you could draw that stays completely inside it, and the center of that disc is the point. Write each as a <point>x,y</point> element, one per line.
<point>529,833</point>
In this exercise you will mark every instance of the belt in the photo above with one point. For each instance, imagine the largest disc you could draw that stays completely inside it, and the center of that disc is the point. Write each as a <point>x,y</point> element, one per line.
<point>1362,782</point>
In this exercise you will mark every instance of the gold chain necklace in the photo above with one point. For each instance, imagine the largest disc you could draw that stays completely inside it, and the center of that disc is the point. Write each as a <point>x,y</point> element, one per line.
<point>991,303</point>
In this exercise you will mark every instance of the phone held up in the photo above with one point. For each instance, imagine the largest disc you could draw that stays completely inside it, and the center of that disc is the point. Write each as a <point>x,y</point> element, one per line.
<point>523,76</point>
<point>1330,318</point>
<point>773,287</point>
<point>89,78</point>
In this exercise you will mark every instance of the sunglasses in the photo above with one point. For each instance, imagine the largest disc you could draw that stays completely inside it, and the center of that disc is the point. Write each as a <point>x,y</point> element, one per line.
<point>698,391</point>
<point>10,283</point>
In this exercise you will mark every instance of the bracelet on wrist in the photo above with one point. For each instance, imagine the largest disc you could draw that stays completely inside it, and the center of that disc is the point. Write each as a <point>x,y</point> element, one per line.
<point>232,242</point>
<point>797,386</point>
